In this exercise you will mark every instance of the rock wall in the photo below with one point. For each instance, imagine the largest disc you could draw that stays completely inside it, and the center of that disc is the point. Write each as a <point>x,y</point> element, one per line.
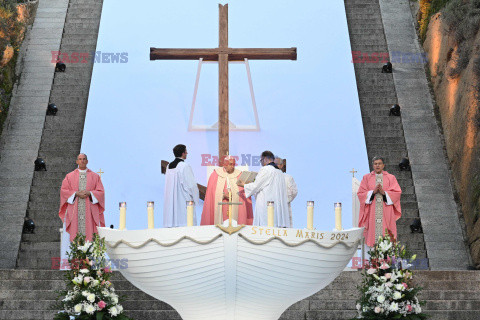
<point>454,70</point>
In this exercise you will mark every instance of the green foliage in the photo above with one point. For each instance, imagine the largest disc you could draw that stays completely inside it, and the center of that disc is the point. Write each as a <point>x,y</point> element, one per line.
<point>10,34</point>
<point>463,18</point>
<point>427,9</point>
<point>89,294</point>
<point>10,28</point>
<point>387,290</point>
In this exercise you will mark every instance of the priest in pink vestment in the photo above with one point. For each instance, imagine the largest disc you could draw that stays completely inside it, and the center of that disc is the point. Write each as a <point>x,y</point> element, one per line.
<point>221,180</point>
<point>82,200</point>
<point>379,195</point>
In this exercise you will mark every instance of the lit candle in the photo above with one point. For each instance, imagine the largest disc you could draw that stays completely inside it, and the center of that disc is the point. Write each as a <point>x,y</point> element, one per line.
<point>271,213</point>
<point>310,215</point>
<point>338,216</point>
<point>150,215</point>
<point>190,205</point>
<point>123,215</point>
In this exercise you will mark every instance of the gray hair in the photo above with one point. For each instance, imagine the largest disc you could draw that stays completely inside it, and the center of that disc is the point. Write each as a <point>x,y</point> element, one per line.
<point>378,158</point>
<point>83,154</point>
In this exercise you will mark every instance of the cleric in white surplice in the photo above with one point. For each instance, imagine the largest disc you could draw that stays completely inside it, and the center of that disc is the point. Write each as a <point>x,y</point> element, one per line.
<point>180,187</point>
<point>269,185</point>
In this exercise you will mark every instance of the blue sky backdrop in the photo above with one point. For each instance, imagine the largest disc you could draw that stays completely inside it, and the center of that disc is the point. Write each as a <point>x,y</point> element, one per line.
<point>308,109</point>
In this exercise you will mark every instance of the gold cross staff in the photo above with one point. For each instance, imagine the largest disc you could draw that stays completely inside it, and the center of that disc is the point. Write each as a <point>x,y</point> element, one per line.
<point>353,172</point>
<point>230,229</point>
<point>100,172</point>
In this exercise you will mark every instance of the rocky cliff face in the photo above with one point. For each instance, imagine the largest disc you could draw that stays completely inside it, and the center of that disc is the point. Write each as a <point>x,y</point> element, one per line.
<point>454,67</point>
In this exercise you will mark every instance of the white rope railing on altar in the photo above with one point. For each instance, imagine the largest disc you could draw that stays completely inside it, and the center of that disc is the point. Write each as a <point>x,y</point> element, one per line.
<point>116,244</point>
<point>300,243</point>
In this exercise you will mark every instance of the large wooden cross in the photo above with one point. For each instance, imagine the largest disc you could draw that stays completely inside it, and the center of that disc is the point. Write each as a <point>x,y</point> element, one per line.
<point>223,54</point>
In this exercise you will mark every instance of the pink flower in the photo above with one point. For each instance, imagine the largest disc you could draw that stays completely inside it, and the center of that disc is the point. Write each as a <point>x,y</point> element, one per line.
<point>377,309</point>
<point>388,275</point>
<point>101,304</point>
<point>108,283</point>
<point>405,285</point>
<point>371,271</point>
<point>107,270</point>
<point>99,273</point>
<point>409,308</point>
<point>384,266</point>
<point>87,279</point>
<point>389,284</point>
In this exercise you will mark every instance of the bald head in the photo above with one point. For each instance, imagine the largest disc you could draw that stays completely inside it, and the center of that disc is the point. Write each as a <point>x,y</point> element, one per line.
<point>280,163</point>
<point>82,161</point>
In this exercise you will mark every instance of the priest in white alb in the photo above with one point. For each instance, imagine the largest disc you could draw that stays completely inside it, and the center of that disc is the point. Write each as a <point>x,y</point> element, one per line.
<point>180,187</point>
<point>269,185</point>
<point>292,190</point>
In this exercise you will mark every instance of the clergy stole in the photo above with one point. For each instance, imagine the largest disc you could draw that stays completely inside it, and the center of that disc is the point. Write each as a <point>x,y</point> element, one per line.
<point>82,207</point>
<point>221,181</point>
<point>378,208</point>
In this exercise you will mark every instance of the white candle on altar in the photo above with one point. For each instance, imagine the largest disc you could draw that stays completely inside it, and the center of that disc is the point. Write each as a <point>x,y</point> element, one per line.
<point>190,205</point>
<point>123,215</point>
<point>310,205</point>
<point>230,207</point>
<point>151,224</point>
<point>338,216</point>
<point>271,213</point>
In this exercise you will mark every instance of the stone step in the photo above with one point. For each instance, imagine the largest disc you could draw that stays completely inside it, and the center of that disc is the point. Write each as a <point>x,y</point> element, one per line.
<point>43,235</point>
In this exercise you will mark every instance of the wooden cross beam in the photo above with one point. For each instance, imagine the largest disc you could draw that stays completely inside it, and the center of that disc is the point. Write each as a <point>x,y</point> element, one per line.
<point>223,54</point>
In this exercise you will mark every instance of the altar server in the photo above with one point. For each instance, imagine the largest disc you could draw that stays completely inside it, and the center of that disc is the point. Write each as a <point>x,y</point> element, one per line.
<point>269,185</point>
<point>82,200</point>
<point>221,181</point>
<point>292,190</point>
<point>379,194</point>
<point>180,187</point>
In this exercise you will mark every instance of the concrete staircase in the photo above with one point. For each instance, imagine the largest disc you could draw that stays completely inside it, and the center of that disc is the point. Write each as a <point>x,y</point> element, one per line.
<point>443,225</point>
<point>21,137</point>
<point>384,135</point>
<point>30,294</point>
<point>62,135</point>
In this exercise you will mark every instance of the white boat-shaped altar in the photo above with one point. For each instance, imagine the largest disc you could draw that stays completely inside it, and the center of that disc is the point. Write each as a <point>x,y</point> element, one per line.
<point>255,273</point>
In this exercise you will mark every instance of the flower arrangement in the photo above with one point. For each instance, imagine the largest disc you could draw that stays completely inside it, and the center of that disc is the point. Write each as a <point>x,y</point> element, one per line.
<point>387,290</point>
<point>89,294</point>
